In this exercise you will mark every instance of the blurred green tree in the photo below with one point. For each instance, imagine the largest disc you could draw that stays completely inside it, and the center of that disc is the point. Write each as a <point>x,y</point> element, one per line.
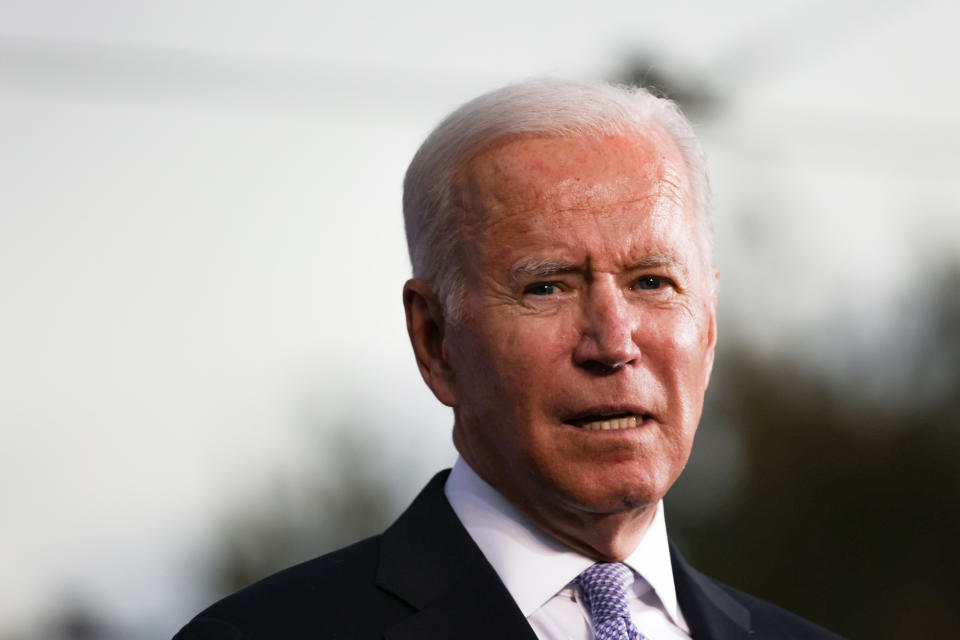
<point>847,510</point>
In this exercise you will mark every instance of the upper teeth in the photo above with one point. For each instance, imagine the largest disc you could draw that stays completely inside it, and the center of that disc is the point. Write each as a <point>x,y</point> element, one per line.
<point>613,423</point>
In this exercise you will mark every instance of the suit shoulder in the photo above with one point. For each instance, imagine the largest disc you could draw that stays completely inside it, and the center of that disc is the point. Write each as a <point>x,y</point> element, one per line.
<point>333,596</point>
<point>769,620</point>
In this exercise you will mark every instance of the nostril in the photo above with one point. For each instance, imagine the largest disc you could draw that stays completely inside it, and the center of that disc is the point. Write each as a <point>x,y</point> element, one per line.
<point>599,368</point>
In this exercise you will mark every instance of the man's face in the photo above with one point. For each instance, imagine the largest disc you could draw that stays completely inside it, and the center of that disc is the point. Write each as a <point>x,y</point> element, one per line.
<point>581,361</point>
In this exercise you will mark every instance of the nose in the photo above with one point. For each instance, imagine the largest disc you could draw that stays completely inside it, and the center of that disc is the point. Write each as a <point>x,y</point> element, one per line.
<point>607,338</point>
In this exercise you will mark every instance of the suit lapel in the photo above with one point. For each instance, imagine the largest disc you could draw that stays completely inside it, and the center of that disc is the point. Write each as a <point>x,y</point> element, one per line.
<point>709,610</point>
<point>429,560</point>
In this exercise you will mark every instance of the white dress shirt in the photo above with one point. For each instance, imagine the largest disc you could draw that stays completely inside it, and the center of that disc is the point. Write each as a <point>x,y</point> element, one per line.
<point>538,570</point>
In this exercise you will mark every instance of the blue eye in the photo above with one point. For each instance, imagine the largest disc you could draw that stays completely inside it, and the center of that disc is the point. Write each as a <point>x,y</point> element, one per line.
<point>650,282</point>
<point>542,289</point>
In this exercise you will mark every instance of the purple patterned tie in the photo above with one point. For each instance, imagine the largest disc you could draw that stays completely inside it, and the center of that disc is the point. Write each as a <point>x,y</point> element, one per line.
<point>604,587</point>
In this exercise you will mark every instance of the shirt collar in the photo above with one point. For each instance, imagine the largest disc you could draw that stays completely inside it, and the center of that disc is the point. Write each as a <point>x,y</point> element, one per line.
<point>651,559</point>
<point>534,566</point>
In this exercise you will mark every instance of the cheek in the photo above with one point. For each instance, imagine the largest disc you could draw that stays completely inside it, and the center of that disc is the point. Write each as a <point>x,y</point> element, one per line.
<point>533,344</point>
<point>689,339</point>
<point>678,346</point>
<point>504,365</point>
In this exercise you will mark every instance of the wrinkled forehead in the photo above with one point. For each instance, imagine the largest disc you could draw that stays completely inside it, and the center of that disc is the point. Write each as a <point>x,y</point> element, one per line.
<point>568,174</point>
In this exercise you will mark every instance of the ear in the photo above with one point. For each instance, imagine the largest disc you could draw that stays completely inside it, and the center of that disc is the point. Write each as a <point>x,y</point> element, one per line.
<point>712,326</point>
<point>425,326</point>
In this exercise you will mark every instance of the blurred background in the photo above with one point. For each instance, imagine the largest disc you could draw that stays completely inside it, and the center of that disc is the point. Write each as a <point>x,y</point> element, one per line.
<point>204,372</point>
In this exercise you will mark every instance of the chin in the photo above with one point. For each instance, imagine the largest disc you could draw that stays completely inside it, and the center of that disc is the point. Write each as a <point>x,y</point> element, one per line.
<point>622,495</point>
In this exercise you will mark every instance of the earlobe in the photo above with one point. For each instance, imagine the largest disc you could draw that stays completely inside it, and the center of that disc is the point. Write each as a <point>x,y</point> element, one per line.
<point>426,328</point>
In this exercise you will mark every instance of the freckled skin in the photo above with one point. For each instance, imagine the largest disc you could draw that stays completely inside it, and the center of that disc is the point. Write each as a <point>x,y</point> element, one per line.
<point>531,351</point>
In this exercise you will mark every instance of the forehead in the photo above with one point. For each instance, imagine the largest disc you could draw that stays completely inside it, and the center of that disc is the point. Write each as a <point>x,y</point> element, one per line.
<point>575,172</point>
<point>631,183</point>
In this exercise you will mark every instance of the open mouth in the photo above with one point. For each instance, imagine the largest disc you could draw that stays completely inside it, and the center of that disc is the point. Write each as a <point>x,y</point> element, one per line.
<point>608,422</point>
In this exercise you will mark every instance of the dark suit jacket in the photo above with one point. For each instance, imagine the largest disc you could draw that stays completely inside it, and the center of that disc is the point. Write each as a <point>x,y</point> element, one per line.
<point>424,578</point>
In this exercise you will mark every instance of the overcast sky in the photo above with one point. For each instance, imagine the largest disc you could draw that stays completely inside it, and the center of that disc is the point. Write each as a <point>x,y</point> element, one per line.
<point>201,249</point>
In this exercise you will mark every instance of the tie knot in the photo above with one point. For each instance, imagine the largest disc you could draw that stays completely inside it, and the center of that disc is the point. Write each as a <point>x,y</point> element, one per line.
<point>604,586</point>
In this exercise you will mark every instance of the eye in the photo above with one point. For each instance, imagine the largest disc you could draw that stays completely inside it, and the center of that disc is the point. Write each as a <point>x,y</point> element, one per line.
<point>650,282</point>
<point>542,289</point>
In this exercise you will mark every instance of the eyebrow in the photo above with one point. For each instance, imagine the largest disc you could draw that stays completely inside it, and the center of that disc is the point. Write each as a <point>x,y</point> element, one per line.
<point>538,268</point>
<point>528,269</point>
<point>654,260</point>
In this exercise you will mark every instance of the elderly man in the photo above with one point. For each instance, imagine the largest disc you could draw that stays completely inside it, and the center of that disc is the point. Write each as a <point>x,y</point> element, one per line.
<point>564,306</point>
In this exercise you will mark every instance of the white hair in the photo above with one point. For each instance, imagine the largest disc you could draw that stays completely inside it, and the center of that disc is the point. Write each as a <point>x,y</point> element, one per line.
<point>536,109</point>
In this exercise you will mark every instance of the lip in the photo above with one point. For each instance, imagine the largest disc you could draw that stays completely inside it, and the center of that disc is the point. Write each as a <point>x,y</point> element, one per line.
<point>601,412</point>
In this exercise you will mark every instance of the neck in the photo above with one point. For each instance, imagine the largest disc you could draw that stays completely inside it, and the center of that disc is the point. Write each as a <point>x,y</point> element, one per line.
<point>606,537</point>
